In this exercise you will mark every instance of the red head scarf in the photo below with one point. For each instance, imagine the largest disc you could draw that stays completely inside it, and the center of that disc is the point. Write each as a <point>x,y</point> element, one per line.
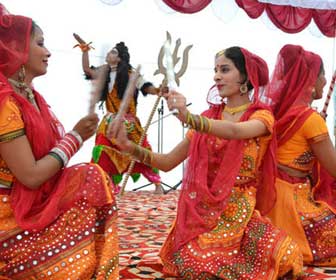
<point>290,89</point>
<point>205,195</point>
<point>14,41</point>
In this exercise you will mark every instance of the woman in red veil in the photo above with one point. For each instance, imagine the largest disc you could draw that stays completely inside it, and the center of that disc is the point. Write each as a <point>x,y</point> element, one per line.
<point>306,158</point>
<point>219,231</point>
<point>56,222</point>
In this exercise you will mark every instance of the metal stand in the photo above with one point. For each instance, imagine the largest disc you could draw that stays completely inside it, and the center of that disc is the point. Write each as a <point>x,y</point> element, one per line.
<point>160,150</point>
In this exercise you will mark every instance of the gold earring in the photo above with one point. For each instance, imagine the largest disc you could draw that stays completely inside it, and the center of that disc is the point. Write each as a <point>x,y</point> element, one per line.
<point>22,74</point>
<point>243,89</point>
<point>313,93</point>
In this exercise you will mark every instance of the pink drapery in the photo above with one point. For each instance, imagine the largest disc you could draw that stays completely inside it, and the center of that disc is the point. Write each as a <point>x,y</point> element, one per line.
<point>187,6</point>
<point>287,18</point>
<point>292,19</point>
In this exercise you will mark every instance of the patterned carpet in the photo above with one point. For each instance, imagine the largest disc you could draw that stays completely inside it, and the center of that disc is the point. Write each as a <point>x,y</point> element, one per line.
<point>144,221</point>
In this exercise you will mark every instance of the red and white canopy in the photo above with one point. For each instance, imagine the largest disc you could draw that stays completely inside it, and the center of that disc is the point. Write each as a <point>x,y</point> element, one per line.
<point>290,16</point>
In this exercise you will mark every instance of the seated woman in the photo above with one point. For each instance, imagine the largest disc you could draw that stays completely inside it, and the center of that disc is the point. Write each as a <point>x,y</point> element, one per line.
<point>219,232</point>
<point>305,205</point>
<point>56,222</point>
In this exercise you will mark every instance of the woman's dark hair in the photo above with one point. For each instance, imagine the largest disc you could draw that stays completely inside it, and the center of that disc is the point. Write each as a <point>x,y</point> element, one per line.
<point>123,69</point>
<point>237,57</point>
<point>33,28</point>
<point>321,67</point>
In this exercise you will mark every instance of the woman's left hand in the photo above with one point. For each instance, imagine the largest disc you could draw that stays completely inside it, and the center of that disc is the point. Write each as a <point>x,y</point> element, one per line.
<point>177,101</point>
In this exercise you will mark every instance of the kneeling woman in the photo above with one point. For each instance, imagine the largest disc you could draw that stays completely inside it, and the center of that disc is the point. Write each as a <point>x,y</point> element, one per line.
<point>218,232</point>
<point>306,158</point>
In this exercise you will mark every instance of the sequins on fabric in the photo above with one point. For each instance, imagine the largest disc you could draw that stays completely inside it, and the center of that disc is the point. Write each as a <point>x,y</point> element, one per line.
<point>304,159</point>
<point>82,243</point>
<point>319,224</point>
<point>248,251</point>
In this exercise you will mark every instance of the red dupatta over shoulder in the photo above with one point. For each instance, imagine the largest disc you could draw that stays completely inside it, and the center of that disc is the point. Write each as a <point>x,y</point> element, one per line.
<point>289,91</point>
<point>35,209</point>
<point>202,199</point>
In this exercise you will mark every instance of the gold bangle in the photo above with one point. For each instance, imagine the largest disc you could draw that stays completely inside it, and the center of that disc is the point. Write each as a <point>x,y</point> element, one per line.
<point>198,123</point>
<point>138,153</point>
<point>145,154</point>
<point>192,120</point>
<point>186,123</point>
<point>197,119</point>
<point>149,157</point>
<point>142,154</point>
<point>201,123</point>
<point>210,126</point>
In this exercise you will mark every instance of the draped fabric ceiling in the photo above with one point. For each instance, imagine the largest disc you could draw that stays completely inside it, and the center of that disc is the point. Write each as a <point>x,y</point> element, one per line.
<point>290,16</point>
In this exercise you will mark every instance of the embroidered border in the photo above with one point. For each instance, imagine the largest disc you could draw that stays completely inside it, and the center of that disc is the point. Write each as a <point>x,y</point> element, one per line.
<point>5,184</point>
<point>318,138</point>
<point>12,135</point>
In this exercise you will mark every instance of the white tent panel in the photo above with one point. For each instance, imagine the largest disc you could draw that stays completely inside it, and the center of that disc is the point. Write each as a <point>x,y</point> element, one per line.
<point>311,4</point>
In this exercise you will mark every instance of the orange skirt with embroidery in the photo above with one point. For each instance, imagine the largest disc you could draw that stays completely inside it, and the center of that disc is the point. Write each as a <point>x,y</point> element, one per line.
<point>243,245</point>
<point>311,224</point>
<point>82,243</point>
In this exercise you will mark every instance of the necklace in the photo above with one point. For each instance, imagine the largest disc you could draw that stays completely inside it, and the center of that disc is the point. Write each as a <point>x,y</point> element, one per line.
<point>23,87</point>
<point>238,109</point>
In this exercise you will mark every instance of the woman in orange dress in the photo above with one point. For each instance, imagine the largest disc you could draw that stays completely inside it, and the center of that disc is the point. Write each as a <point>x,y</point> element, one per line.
<point>303,208</point>
<point>105,152</point>
<point>219,231</point>
<point>56,222</point>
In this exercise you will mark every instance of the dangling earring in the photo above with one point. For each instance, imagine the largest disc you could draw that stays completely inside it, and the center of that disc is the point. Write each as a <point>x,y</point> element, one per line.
<point>313,93</point>
<point>243,89</point>
<point>22,74</point>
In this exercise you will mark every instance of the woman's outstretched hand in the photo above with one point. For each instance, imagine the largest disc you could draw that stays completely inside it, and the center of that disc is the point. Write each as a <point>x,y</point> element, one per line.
<point>176,100</point>
<point>87,126</point>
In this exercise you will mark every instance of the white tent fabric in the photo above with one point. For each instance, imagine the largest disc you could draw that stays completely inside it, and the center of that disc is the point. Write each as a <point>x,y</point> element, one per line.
<point>111,2</point>
<point>310,4</point>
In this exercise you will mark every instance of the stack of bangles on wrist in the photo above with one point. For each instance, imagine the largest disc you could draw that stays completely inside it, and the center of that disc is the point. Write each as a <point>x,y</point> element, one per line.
<point>67,147</point>
<point>84,46</point>
<point>198,122</point>
<point>141,154</point>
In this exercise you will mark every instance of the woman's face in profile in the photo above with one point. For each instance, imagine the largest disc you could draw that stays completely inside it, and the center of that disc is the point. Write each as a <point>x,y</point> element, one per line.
<point>38,55</point>
<point>319,85</point>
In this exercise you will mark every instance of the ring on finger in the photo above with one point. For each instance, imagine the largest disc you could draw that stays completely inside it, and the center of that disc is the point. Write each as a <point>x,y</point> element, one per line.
<point>174,100</point>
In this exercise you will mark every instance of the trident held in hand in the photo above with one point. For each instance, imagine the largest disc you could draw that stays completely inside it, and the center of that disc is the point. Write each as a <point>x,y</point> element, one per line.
<point>172,79</point>
<point>174,60</point>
